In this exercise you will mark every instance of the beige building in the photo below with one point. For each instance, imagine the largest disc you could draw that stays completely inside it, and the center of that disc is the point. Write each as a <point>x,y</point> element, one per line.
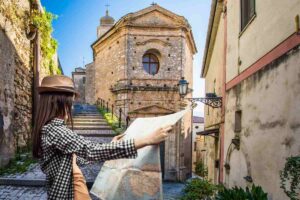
<point>197,141</point>
<point>137,65</point>
<point>252,60</point>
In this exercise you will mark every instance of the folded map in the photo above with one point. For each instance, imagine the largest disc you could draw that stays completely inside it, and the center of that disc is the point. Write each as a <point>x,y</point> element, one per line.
<point>138,178</point>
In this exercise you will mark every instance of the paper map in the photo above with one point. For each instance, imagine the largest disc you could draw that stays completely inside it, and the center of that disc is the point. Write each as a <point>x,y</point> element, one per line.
<point>138,178</point>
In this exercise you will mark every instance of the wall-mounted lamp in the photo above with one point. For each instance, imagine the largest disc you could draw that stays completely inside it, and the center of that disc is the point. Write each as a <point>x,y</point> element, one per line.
<point>211,99</point>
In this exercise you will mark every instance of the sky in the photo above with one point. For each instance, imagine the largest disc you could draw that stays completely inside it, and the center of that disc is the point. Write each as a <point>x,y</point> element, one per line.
<point>76,25</point>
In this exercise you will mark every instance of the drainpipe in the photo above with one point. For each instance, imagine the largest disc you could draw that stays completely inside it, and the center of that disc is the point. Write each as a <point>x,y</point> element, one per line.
<point>222,125</point>
<point>36,64</point>
<point>36,73</point>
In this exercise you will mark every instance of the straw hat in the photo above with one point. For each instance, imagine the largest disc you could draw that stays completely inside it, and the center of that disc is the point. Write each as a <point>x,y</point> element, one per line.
<point>57,83</point>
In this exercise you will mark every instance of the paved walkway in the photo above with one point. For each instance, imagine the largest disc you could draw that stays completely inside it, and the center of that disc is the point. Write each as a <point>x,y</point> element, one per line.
<point>172,191</point>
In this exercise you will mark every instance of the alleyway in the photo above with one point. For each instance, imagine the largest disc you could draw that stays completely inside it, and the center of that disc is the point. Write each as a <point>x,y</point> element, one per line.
<point>90,124</point>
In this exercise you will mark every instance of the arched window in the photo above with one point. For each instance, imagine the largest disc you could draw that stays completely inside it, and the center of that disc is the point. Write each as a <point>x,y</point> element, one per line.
<point>150,63</point>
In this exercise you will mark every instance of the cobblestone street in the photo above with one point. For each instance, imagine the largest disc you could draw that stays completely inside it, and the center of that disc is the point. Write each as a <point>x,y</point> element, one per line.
<point>172,191</point>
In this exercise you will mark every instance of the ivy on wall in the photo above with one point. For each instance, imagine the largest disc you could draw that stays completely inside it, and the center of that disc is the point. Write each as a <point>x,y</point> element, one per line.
<point>43,21</point>
<point>290,177</point>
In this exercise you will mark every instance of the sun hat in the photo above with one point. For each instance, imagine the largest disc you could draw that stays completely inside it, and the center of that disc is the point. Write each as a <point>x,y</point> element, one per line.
<point>57,83</point>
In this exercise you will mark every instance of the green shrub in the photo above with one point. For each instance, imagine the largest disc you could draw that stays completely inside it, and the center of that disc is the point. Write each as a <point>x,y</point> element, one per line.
<point>290,177</point>
<point>238,193</point>
<point>201,169</point>
<point>112,120</point>
<point>199,189</point>
<point>18,164</point>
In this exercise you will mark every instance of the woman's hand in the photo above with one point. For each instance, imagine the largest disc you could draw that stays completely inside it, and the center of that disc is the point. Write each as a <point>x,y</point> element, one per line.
<point>118,137</point>
<point>154,138</point>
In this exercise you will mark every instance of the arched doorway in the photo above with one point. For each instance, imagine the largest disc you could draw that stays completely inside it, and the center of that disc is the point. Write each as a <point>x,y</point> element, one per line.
<point>237,167</point>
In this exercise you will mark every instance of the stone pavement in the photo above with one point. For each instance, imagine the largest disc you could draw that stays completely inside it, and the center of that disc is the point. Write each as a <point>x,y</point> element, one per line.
<point>171,191</point>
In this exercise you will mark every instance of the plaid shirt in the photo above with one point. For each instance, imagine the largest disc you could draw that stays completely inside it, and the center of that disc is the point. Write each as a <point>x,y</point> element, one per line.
<point>59,143</point>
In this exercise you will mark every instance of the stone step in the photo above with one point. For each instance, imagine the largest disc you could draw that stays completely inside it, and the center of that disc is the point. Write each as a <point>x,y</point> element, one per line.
<point>87,112</point>
<point>79,123</point>
<point>102,135</point>
<point>84,114</point>
<point>96,134</point>
<point>88,120</point>
<point>92,127</point>
<point>89,116</point>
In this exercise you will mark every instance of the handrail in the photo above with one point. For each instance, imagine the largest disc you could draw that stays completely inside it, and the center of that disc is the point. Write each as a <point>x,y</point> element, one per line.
<point>114,111</point>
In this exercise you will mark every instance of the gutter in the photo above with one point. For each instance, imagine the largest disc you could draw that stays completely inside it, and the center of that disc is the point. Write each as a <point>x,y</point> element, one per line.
<point>208,35</point>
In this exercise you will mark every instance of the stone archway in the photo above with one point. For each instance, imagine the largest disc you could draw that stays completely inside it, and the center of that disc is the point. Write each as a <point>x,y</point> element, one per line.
<point>237,166</point>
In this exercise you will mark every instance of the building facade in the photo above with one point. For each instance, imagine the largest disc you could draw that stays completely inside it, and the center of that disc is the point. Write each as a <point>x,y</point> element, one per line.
<point>90,84</point>
<point>198,125</point>
<point>79,78</point>
<point>252,60</point>
<point>138,63</point>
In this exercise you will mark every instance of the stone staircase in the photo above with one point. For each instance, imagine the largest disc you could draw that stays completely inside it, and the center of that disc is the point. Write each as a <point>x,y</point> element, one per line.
<point>87,121</point>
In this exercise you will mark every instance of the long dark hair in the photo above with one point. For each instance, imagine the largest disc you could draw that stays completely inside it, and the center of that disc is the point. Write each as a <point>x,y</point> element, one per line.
<point>51,105</point>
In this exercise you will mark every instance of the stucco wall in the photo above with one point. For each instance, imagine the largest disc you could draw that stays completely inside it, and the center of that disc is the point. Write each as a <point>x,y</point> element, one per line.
<point>197,144</point>
<point>262,34</point>
<point>269,101</point>
<point>213,84</point>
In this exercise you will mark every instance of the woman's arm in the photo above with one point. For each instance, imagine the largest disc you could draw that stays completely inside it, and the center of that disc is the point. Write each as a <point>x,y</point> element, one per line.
<point>66,141</point>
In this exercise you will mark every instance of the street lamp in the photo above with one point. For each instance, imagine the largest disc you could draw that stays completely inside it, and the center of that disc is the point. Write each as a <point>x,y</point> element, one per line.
<point>183,87</point>
<point>211,99</point>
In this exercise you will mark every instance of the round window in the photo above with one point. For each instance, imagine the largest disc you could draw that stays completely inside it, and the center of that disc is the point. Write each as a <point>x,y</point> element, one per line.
<point>150,63</point>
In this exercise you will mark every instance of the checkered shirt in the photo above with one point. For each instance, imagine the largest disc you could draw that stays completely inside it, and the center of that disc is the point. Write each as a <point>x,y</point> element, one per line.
<point>58,144</point>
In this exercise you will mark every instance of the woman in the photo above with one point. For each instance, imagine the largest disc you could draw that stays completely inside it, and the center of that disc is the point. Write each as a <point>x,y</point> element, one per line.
<point>59,149</point>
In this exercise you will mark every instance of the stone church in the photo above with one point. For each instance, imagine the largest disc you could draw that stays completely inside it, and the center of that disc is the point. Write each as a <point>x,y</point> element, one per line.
<point>137,64</point>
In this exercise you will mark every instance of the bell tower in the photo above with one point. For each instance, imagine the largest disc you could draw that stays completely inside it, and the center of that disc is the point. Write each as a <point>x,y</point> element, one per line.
<point>106,22</point>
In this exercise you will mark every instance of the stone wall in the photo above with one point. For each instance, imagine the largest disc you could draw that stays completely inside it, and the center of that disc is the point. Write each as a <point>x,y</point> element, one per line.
<point>15,78</point>
<point>90,84</point>
<point>110,59</point>
<point>79,82</point>
<point>121,79</point>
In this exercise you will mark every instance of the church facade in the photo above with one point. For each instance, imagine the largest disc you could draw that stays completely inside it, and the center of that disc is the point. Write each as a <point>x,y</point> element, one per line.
<point>138,62</point>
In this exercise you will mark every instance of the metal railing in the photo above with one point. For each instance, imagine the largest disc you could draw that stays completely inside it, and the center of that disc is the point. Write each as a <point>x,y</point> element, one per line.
<point>111,108</point>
